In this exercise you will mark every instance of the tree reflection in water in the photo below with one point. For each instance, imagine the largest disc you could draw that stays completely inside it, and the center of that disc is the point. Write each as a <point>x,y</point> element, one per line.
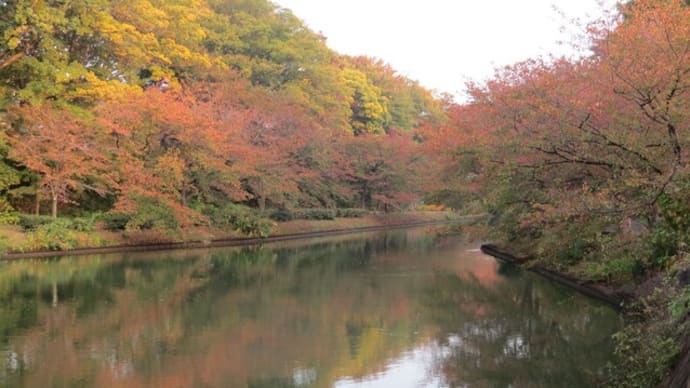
<point>519,333</point>
<point>400,307</point>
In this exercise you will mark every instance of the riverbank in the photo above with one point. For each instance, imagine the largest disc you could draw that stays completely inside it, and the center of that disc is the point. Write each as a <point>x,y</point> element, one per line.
<point>654,345</point>
<point>147,240</point>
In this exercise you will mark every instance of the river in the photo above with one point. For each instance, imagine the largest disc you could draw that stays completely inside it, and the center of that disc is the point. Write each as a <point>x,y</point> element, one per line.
<point>404,308</point>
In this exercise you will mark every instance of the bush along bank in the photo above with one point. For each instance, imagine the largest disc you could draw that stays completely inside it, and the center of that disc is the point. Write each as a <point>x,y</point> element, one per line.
<point>46,236</point>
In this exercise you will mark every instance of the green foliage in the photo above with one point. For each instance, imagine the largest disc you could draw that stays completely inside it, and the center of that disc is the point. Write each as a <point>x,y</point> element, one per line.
<point>671,235</point>
<point>679,307</point>
<point>614,270</point>
<point>644,356</point>
<point>662,245</point>
<point>84,224</point>
<point>252,226</point>
<point>350,212</point>
<point>80,224</point>
<point>573,251</point>
<point>314,214</point>
<point>240,218</point>
<point>56,235</point>
<point>8,214</point>
<point>613,259</point>
<point>60,234</point>
<point>30,222</point>
<point>9,217</point>
<point>9,175</point>
<point>115,221</point>
<point>675,213</point>
<point>281,215</point>
<point>512,203</point>
<point>152,213</point>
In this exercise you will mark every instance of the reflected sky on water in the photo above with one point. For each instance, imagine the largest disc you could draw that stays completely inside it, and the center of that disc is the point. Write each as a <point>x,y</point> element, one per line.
<point>390,309</point>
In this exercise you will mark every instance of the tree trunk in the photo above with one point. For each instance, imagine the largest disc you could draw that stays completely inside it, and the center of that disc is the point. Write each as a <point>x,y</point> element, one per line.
<point>363,196</point>
<point>261,199</point>
<point>55,204</point>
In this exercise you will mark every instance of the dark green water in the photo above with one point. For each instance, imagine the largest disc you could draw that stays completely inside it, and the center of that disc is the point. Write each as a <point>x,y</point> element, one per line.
<point>392,309</point>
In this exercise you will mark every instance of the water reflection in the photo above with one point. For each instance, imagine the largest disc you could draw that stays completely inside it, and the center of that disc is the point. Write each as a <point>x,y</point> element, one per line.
<point>391,309</point>
<point>521,332</point>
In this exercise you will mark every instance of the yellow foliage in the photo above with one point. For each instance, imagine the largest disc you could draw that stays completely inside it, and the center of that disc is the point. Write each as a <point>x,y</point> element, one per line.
<point>170,167</point>
<point>97,89</point>
<point>432,208</point>
<point>369,107</point>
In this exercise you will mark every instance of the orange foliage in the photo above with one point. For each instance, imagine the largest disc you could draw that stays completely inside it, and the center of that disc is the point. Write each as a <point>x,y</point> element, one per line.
<point>66,152</point>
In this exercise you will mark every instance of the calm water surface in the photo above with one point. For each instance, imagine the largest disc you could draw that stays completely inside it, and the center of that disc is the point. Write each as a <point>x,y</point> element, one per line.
<point>390,309</point>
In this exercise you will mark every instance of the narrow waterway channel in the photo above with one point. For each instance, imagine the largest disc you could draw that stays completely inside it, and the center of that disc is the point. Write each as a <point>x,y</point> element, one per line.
<point>403,308</point>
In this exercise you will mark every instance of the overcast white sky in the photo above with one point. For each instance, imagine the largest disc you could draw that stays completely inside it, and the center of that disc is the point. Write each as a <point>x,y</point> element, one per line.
<point>444,43</point>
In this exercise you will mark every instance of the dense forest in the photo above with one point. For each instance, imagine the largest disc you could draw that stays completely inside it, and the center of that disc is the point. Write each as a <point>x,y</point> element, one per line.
<point>178,113</point>
<point>583,167</point>
<point>167,114</point>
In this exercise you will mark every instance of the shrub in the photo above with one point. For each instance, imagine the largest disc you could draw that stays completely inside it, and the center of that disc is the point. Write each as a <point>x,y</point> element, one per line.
<point>115,221</point>
<point>151,213</point>
<point>670,234</point>
<point>350,213</point>
<point>648,355</point>
<point>225,216</point>
<point>320,214</point>
<point>59,235</point>
<point>615,270</point>
<point>54,236</point>
<point>679,307</point>
<point>281,215</point>
<point>30,222</point>
<point>314,214</point>
<point>240,218</point>
<point>573,251</point>
<point>662,245</point>
<point>9,218</point>
<point>84,224</point>
<point>252,226</point>
<point>8,214</point>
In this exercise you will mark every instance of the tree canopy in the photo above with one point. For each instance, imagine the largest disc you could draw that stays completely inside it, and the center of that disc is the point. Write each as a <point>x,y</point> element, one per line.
<point>195,103</point>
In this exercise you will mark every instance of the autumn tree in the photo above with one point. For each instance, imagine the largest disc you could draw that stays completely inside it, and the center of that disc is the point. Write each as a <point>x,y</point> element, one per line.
<point>380,171</point>
<point>369,107</point>
<point>203,102</point>
<point>174,143</point>
<point>64,151</point>
<point>287,151</point>
<point>595,141</point>
<point>410,105</point>
<point>58,51</point>
<point>462,154</point>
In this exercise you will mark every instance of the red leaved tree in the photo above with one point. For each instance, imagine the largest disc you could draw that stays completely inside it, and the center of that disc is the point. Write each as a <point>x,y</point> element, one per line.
<point>67,153</point>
